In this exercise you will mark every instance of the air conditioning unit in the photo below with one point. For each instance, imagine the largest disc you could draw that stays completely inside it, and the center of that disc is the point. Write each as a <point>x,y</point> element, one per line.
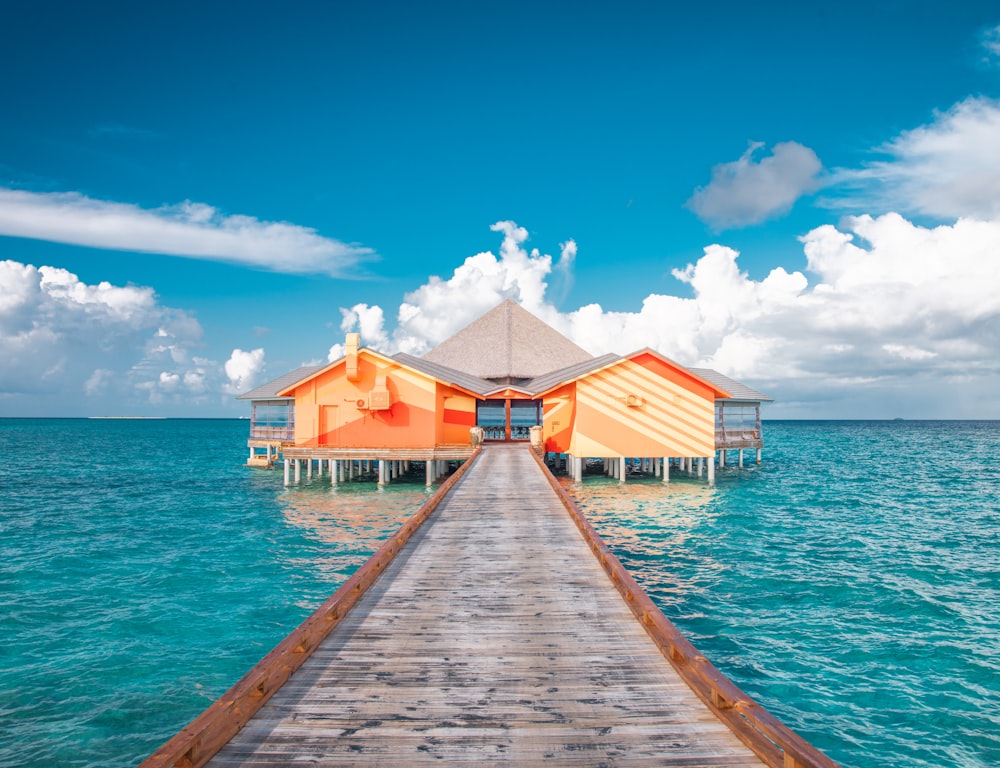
<point>378,398</point>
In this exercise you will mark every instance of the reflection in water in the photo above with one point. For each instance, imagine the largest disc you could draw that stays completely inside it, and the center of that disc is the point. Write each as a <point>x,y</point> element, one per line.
<point>349,520</point>
<point>658,530</point>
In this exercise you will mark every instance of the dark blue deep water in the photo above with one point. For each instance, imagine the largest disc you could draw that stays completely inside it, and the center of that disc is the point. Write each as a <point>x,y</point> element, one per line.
<point>850,583</point>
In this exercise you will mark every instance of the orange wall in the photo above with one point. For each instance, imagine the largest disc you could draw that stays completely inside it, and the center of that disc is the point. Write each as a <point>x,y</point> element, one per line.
<point>559,408</point>
<point>327,410</point>
<point>676,416</point>
<point>458,415</point>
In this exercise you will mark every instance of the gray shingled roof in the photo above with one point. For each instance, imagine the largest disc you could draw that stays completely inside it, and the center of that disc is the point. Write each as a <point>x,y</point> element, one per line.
<point>554,378</point>
<point>443,373</point>
<point>508,342</point>
<point>740,392</point>
<point>270,390</point>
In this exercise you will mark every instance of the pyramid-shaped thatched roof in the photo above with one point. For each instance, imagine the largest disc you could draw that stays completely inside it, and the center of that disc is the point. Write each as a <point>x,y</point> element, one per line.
<point>507,343</point>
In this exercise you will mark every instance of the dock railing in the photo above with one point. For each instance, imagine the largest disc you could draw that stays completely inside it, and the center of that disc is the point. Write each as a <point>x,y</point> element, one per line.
<point>199,741</point>
<point>772,741</point>
<point>258,432</point>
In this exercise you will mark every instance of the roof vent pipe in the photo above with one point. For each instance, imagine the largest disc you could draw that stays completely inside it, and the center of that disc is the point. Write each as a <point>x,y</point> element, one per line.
<point>351,355</point>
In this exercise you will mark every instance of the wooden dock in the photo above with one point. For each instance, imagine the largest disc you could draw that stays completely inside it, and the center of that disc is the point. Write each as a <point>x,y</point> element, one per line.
<point>495,636</point>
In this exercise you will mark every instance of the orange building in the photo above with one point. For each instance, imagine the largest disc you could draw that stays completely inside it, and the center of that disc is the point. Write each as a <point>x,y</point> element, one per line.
<point>506,376</point>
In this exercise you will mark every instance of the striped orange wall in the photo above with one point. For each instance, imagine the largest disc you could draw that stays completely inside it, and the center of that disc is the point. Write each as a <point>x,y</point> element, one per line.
<point>559,418</point>
<point>673,413</point>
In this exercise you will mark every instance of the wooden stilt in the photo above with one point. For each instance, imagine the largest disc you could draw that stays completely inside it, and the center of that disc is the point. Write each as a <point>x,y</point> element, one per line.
<point>622,469</point>
<point>711,469</point>
<point>666,469</point>
<point>287,469</point>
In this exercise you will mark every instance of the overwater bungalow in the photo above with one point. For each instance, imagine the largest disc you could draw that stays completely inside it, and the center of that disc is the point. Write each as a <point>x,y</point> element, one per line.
<point>507,376</point>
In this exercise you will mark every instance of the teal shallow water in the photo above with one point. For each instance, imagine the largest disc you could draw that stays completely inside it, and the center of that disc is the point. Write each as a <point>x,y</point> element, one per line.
<point>851,583</point>
<point>144,570</point>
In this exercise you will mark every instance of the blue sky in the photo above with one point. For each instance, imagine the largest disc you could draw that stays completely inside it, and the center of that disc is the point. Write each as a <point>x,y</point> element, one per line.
<point>196,198</point>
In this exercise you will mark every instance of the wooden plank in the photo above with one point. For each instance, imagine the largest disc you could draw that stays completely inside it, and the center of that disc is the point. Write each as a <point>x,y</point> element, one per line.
<point>494,635</point>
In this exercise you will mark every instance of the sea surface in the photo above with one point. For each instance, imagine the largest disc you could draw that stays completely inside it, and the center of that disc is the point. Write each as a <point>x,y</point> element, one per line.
<point>850,583</point>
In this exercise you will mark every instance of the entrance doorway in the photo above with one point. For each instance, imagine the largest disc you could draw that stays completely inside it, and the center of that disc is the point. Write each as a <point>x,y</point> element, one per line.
<point>508,419</point>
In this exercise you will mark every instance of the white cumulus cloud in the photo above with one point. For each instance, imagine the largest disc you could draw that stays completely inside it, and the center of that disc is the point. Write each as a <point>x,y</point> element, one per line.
<point>192,230</point>
<point>887,317</point>
<point>749,191</point>
<point>440,307</point>
<point>100,348</point>
<point>243,369</point>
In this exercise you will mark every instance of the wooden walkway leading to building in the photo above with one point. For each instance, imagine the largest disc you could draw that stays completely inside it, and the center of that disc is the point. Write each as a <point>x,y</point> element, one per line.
<point>493,637</point>
<point>494,628</point>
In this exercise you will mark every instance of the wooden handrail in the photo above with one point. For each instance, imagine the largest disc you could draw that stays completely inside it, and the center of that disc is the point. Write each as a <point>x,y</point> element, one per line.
<point>200,740</point>
<point>774,742</point>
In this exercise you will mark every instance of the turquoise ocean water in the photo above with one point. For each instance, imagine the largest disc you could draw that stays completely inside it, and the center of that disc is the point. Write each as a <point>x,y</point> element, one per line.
<point>850,583</point>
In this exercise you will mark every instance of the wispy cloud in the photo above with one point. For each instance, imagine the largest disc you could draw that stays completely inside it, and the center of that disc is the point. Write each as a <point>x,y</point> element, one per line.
<point>192,230</point>
<point>991,44</point>
<point>115,130</point>
<point>947,169</point>
<point>748,191</point>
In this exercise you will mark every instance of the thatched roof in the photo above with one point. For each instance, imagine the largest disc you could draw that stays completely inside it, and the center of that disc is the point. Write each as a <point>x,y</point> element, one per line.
<point>507,343</point>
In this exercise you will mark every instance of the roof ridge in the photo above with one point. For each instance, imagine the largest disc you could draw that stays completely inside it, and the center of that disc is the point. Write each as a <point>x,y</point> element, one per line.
<point>507,342</point>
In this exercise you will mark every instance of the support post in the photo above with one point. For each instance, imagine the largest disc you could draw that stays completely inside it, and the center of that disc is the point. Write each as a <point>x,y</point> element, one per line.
<point>287,470</point>
<point>741,458</point>
<point>711,469</point>
<point>622,469</point>
<point>298,471</point>
<point>666,469</point>
<point>334,471</point>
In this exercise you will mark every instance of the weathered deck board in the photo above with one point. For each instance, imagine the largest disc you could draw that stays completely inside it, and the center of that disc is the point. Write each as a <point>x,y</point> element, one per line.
<point>494,637</point>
